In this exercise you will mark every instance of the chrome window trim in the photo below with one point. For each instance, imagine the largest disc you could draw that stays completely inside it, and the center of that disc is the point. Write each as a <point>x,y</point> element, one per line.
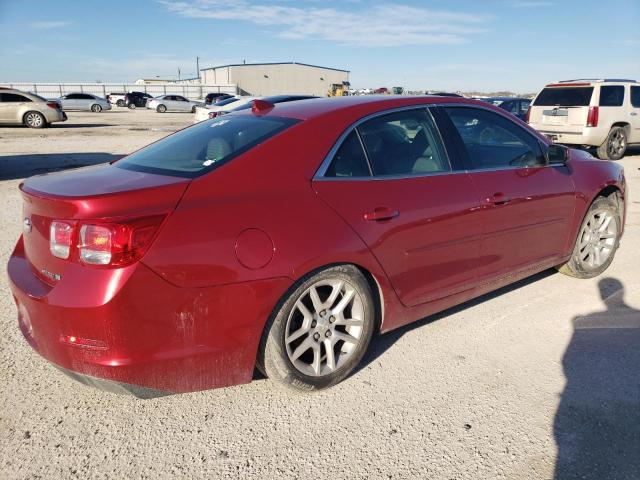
<point>319,175</point>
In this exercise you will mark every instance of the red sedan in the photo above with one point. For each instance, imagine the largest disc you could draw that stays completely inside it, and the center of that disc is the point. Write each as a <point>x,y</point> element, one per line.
<point>284,236</point>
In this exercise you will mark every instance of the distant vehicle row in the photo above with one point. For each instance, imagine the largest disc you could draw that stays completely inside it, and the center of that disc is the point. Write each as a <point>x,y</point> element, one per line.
<point>238,103</point>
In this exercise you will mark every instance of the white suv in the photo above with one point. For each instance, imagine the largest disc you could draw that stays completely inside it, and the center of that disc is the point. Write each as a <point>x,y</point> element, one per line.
<point>592,113</point>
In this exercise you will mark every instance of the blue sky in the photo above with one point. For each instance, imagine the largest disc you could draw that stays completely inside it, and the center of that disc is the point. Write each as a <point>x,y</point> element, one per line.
<point>486,45</point>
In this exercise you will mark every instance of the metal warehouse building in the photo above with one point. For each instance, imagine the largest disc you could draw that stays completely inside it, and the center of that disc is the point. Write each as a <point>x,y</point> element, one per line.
<point>275,78</point>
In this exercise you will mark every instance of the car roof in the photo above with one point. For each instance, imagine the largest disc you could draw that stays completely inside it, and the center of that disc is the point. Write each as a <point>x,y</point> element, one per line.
<point>315,107</point>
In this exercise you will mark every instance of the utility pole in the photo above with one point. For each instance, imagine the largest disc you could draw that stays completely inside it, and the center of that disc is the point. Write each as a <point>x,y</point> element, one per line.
<point>198,67</point>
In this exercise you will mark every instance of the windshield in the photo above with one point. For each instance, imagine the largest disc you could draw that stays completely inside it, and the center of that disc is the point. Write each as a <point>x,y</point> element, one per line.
<point>565,97</point>
<point>196,150</point>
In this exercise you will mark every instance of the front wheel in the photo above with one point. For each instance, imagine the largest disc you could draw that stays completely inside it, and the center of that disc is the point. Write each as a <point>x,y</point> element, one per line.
<point>132,106</point>
<point>161,109</point>
<point>597,241</point>
<point>120,103</point>
<point>193,109</point>
<point>614,146</point>
<point>95,108</point>
<point>322,330</point>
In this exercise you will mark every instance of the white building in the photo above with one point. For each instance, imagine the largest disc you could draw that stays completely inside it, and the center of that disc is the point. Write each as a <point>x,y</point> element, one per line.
<point>275,78</point>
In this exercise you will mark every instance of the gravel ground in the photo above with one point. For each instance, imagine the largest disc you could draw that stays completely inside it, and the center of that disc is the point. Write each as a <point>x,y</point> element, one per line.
<point>538,380</point>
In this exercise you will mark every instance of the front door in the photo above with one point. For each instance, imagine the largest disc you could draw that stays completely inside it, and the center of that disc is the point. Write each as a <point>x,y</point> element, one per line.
<point>527,205</point>
<point>391,180</point>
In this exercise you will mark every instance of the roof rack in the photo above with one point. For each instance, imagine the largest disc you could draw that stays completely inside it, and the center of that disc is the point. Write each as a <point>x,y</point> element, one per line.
<point>621,80</point>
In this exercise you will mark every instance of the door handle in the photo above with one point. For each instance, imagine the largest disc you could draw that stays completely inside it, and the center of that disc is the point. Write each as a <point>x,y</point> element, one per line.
<point>381,213</point>
<point>633,114</point>
<point>498,199</point>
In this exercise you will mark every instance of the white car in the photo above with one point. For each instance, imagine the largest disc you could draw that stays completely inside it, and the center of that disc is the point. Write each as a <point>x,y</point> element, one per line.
<point>211,111</point>
<point>591,113</point>
<point>173,103</point>
<point>116,98</point>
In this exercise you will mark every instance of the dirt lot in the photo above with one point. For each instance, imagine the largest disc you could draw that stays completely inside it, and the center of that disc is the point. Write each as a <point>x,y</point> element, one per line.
<point>538,380</point>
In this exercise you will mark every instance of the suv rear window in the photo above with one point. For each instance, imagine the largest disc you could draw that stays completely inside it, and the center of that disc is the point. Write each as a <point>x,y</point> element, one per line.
<point>564,96</point>
<point>611,95</point>
<point>197,150</point>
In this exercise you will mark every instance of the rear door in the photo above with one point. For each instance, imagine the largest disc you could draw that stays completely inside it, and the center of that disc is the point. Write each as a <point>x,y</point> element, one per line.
<point>392,181</point>
<point>526,204</point>
<point>635,114</point>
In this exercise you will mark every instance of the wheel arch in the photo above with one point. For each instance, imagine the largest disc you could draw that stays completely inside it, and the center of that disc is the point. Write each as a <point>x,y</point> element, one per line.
<point>625,125</point>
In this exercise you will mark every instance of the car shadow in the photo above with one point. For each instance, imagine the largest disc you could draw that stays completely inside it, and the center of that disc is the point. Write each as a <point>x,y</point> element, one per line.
<point>381,343</point>
<point>21,166</point>
<point>597,425</point>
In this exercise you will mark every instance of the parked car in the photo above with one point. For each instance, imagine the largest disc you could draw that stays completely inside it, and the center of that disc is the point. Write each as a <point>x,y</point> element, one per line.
<point>275,99</point>
<point>117,98</point>
<point>446,94</point>
<point>514,105</point>
<point>172,103</point>
<point>594,113</point>
<point>22,108</point>
<point>284,236</point>
<point>213,98</point>
<point>381,90</point>
<point>211,111</point>
<point>83,101</point>
<point>136,99</point>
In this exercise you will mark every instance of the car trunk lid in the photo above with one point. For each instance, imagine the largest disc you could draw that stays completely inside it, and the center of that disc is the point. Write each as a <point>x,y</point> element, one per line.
<point>94,193</point>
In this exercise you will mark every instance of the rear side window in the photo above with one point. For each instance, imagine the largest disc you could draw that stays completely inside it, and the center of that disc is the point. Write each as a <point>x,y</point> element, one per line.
<point>13,98</point>
<point>404,143</point>
<point>565,97</point>
<point>524,106</point>
<point>635,97</point>
<point>493,141</point>
<point>350,159</point>
<point>611,95</point>
<point>196,150</point>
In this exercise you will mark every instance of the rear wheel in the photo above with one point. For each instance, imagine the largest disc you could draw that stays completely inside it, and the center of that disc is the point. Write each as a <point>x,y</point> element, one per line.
<point>193,109</point>
<point>161,109</point>
<point>95,108</point>
<point>34,120</point>
<point>320,333</point>
<point>132,106</point>
<point>614,146</point>
<point>597,241</point>
<point>120,103</point>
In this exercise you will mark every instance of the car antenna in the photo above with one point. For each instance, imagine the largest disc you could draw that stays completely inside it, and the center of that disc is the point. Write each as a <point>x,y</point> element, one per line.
<point>261,107</point>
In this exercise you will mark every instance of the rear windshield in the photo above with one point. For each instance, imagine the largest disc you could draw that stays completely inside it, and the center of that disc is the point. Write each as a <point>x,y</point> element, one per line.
<point>197,150</point>
<point>565,97</point>
<point>222,103</point>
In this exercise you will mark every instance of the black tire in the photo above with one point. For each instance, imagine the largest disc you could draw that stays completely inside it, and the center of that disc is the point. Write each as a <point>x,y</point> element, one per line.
<point>34,119</point>
<point>120,103</point>
<point>193,109</point>
<point>132,106</point>
<point>161,108</point>
<point>273,357</point>
<point>95,108</point>
<point>615,146</point>
<point>577,266</point>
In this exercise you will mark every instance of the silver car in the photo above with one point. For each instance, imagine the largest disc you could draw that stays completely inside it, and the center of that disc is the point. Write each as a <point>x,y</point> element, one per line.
<point>173,103</point>
<point>84,101</point>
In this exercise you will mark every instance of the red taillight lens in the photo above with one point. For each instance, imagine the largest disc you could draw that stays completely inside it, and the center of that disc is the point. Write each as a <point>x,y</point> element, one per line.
<point>60,236</point>
<point>527,115</point>
<point>53,105</point>
<point>213,114</point>
<point>117,244</point>
<point>592,117</point>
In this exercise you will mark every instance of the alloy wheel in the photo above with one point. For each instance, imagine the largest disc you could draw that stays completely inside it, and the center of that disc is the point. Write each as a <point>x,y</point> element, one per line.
<point>34,120</point>
<point>597,239</point>
<point>324,327</point>
<point>617,144</point>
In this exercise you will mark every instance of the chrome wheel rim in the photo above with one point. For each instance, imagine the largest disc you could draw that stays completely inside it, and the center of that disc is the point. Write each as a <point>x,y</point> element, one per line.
<point>597,239</point>
<point>324,327</point>
<point>96,108</point>
<point>34,120</point>
<point>617,144</point>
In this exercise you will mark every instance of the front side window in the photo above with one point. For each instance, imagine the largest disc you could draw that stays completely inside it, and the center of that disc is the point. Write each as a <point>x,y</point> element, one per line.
<point>635,97</point>
<point>611,95</point>
<point>196,150</point>
<point>404,143</point>
<point>84,96</point>
<point>493,141</point>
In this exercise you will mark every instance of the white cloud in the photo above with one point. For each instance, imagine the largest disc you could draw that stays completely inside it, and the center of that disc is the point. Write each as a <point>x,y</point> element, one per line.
<point>49,25</point>
<point>388,25</point>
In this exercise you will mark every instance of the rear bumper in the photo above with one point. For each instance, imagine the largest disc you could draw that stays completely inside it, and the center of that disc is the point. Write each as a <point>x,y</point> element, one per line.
<point>573,135</point>
<point>131,327</point>
<point>55,116</point>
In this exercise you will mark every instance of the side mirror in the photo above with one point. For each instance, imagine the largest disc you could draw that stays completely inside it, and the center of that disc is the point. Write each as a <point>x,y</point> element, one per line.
<point>557,154</point>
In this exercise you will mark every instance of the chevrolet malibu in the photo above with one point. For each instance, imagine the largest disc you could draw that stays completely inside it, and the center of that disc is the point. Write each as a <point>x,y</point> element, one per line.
<point>284,236</point>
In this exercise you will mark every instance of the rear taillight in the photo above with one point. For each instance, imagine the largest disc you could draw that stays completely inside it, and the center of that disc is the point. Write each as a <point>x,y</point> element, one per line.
<point>53,105</point>
<point>592,117</point>
<point>527,115</point>
<point>60,237</point>
<point>107,243</point>
<point>213,114</point>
